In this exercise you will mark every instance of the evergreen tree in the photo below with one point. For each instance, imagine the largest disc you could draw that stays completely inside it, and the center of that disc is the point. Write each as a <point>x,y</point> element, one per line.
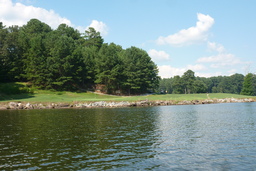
<point>63,59</point>
<point>108,67</point>
<point>140,72</point>
<point>248,85</point>
<point>60,63</point>
<point>93,38</point>
<point>33,52</point>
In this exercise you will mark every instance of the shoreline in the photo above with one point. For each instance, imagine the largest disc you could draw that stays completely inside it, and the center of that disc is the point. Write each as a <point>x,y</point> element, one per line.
<point>116,104</point>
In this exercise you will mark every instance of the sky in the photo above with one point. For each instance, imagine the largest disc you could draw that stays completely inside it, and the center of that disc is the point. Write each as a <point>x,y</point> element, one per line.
<point>210,37</point>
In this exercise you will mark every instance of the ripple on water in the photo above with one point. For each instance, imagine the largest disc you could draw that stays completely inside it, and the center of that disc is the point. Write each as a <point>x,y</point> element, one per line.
<point>202,137</point>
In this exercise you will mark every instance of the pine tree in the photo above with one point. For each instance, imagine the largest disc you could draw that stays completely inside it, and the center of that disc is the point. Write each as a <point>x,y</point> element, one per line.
<point>248,87</point>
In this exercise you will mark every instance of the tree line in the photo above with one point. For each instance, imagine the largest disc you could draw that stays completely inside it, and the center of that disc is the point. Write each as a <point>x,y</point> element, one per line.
<point>189,83</point>
<point>64,59</point>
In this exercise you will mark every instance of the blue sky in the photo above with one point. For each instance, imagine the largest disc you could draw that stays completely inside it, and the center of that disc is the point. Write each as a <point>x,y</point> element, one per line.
<point>213,37</point>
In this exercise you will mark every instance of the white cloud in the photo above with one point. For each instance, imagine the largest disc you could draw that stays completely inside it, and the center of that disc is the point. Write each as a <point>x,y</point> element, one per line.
<point>221,60</point>
<point>217,58</point>
<point>19,14</point>
<point>207,75</point>
<point>232,71</point>
<point>167,71</point>
<point>158,55</point>
<point>197,67</point>
<point>100,27</point>
<point>191,35</point>
<point>216,47</point>
<point>26,1</point>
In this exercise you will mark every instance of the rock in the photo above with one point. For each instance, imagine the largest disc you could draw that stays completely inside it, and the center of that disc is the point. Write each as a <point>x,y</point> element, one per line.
<point>41,106</point>
<point>4,107</point>
<point>13,105</point>
<point>142,103</point>
<point>29,106</point>
<point>133,104</point>
<point>20,106</point>
<point>64,105</point>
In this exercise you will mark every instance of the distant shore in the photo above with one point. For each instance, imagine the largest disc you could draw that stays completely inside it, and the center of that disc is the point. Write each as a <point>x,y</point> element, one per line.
<point>116,104</point>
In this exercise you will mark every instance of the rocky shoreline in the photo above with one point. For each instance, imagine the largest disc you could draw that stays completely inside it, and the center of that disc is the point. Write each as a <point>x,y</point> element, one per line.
<point>106,104</point>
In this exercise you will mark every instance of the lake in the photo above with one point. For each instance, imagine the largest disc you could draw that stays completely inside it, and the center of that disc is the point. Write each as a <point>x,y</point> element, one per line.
<point>189,137</point>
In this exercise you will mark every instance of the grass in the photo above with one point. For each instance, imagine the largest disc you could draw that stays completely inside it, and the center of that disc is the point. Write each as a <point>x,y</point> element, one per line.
<point>189,97</point>
<point>37,96</point>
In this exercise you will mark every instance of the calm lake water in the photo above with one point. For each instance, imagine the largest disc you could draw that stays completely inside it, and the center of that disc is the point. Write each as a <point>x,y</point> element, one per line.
<point>190,137</point>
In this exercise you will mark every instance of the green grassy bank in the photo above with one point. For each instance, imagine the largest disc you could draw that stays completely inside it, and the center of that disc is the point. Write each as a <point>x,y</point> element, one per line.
<point>33,95</point>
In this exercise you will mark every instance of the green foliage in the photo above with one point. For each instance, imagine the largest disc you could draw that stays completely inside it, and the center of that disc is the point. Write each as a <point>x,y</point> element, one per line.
<point>139,72</point>
<point>199,86</point>
<point>249,85</point>
<point>188,79</point>
<point>177,84</point>
<point>165,85</point>
<point>64,59</point>
<point>108,67</point>
<point>93,38</point>
<point>188,83</point>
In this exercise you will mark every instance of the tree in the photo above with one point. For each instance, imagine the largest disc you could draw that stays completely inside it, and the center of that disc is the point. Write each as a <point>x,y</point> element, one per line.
<point>140,72</point>
<point>33,52</point>
<point>84,66</point>
<point>35,26</point>
<point>215,82</point>
<point>177,85</point>
<point>188,79</point>
<point>237,82</point>
<point>225,85</point>
<point>63,59</point>
<point>60,63</point>
<point>248,85</point>
<point>165,85</point>
<point>93,38</point>
<point>108,67</point>
<point>3,56</point>
<point>208,82</point>
<point>199,87</point>
<point>68,31</point>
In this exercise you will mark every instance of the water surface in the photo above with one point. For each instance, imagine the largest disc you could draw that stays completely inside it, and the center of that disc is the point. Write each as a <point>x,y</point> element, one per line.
<point>190,137</point>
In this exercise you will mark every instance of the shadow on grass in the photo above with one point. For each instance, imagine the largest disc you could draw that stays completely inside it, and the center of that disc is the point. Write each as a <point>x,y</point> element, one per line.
<point>15,91</point>
<point>4,97</point>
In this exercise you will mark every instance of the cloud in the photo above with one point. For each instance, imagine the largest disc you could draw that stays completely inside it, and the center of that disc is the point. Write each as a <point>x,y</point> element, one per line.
<point>216,47</point>
<point>158,55</point>
<point>221,60</point>
<point>197,67</point>
<point>167,71</point>
<point>198,33</point>
<point>232,71</point>
<point>99,26</point>
<point>19,14</point>
<point>207,75</point>
<point>26,1</point>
